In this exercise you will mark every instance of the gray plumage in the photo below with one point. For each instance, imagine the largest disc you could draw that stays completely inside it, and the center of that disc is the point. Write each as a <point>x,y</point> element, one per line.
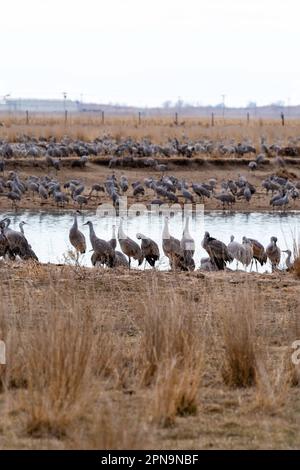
<point>105,253</point>
<point>273,252</point>
<point>77,239</point>
<point>217,251</point>
<point>149,248</point>
<point>288,261</point>
<point>129,247</point>
<point>172,249</point>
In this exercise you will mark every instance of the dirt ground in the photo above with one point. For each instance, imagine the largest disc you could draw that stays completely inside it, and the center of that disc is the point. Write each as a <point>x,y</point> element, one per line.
<point>226,417</point>
<point>193,172</point>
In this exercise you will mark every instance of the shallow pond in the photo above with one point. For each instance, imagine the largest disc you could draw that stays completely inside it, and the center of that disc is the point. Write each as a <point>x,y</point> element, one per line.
<point>48,232</point>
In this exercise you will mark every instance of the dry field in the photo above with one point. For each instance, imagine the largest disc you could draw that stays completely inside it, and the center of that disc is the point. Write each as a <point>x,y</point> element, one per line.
<point>126,360</point>
<point>159,129</point>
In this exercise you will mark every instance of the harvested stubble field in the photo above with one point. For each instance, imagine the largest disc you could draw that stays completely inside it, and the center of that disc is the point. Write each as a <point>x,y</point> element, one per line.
<point>156,128</point>
<point>124,360</point>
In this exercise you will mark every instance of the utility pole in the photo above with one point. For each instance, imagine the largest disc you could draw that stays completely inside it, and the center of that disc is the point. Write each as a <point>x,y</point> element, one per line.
<point>223,102</point>
<point>65,107</point>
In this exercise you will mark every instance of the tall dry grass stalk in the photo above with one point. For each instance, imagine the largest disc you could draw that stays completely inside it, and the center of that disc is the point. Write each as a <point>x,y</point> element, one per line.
<point>171,353</point>
<point>57,357</point>
<point>240,347</point>
<point>273,380</point>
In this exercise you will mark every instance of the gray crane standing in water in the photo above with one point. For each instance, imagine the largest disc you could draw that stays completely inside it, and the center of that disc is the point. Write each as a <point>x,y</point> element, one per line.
<point>187,243</point>
<point>77,239</point>
<point>4,245</point>
<point>217,251</point>
<point>120,258</point>
<point>104,252</point>
<point>259,253</point>
<point>149,248</point>
<point>113,240</point>
<point>273,253</point>
<point>18,244</point>
<point>172,249</point>
<point>248,252</point>
<point>129,247</point>
<point>288,261</point>
<point>236,250</point>
<point>21,225</point>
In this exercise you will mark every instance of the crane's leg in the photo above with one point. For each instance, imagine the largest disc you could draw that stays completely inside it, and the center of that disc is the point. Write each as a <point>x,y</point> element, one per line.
<point>129,261</point>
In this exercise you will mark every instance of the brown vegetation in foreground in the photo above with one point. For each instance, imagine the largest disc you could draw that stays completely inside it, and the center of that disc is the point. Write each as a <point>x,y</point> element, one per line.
<point>124,360</point>
<point>159,129</point>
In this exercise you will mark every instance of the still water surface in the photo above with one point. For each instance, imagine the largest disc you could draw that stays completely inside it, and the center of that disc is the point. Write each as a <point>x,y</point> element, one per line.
<point>48,232</point>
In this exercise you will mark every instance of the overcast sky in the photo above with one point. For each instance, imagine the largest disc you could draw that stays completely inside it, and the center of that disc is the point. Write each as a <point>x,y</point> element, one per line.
<point>144,52</point>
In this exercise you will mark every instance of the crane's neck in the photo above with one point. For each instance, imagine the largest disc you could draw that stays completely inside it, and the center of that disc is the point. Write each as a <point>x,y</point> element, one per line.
<point>21,229</point>
<point>166,233</point>
<point>121,233</point>
<point>75,225</point>
<point>186,228</point>
<point>93,236</point>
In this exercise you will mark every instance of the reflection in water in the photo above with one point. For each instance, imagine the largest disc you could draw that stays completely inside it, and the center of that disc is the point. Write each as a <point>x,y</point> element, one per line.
<point>48,232</point>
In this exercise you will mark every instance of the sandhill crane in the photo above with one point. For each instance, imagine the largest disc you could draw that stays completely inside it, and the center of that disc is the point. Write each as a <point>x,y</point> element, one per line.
<point>273,253</point>
<point>120,259</point>
<point>206,264</point>
<point>21,225</point>
<point>149,248</point>
<point>248,252</point>
<point>226,199</point>
<point>129,247</point>
<point>4,245</point>
<point>172,249</point>
<point>113,240</point>
<point>186,194</point>
<point>288,261</point>
<point>236,250</point>
<point>259,253</point>
<point>105,253</point>
<point>77,239</point>
<point>217,251</point>
<point>280,202</point>
<point>18,243</point>
<point>187,244</point>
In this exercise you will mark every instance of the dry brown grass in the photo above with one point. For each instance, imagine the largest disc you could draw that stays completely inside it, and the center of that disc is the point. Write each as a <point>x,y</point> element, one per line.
<point>239,340</point>
<point>128,360</point>
<point>158,128</point>
<point>171,353</point>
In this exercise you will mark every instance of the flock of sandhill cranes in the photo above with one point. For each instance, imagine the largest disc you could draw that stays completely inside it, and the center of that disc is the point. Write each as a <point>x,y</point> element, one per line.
<point>167,189</point>
<point>179,252</point>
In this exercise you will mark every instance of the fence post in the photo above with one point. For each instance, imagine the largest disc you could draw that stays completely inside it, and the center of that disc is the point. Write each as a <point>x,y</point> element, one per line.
<point>212,119</point>
<point>27,118</point>
<point>140,117</point>
<point>282,118</point>
<point>176,119</point>
<point>66,117</point>
<point>102,117</point>
<point>248,118</point>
